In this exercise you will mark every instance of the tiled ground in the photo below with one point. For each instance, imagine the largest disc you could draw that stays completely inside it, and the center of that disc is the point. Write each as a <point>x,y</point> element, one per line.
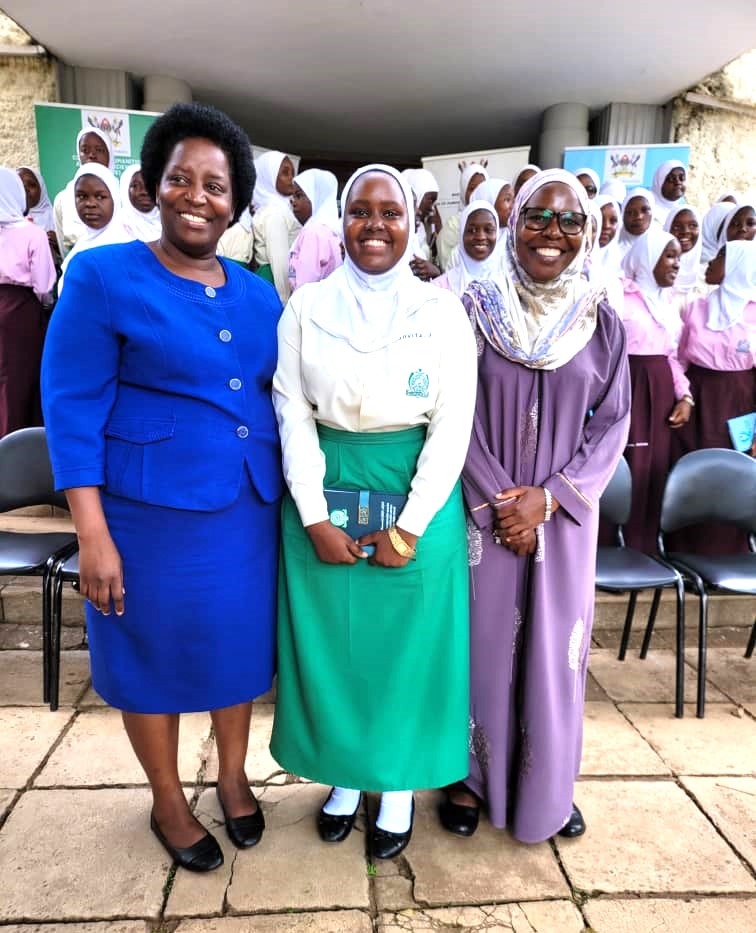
<point>670,806</point>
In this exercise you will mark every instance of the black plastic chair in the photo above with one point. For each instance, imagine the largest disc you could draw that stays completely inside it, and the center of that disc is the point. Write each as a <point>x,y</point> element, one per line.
<point>25,480</point>
<point>715,485</point>
<point>66,570</point>
<point>751,641</point>
<point>621,568</point>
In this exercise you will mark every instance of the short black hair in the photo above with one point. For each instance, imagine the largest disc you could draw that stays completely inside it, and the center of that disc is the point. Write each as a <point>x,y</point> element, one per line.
<point>188,121</point>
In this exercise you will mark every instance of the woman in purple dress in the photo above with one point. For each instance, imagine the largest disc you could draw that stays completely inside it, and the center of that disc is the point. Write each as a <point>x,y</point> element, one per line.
<point>551,422</point>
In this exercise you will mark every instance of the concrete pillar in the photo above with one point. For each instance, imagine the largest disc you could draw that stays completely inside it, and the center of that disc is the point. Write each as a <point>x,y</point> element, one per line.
<point>562,125</point>
<point>160,91</point>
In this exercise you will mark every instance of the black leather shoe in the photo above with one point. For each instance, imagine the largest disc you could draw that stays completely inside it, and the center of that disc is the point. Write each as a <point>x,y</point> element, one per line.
<point>334,828</point>
<point>457,818</point>
<point>243,831</point>
<point>204,855</point>
<point>575,825</point>
<point>384,844</point>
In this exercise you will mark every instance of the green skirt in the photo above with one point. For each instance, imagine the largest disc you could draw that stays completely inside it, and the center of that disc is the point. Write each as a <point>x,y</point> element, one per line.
<point>373,669</point>
<point>265,272</point>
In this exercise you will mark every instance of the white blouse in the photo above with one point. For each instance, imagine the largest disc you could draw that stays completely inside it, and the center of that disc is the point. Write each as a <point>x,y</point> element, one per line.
<point>426,375</point>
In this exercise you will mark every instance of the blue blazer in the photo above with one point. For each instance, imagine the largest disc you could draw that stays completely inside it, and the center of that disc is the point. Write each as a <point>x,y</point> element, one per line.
<point>159,388</point>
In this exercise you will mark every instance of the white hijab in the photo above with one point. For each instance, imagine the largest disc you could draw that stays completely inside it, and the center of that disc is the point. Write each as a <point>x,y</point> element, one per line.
<point>267,167</point>
<point>638,266</point>
<point>687,277</point>
<point>422,181</point>
<point>728,218</point>
<point>370,311</point>
<point>468,172</point>
<point>713,220</point>
<point>727,303</point>
<point>530,166</point>
<point>12,199</point>
<point>615,189</point>
<point>321,188</point>
<point>607,260</point>
<point>660,204</point>
<point>468,269</point>
<point>625,239</point>
<point>594,177</point>
<point>42,213</point>
<point>489,191</point>
<point>144,227</point>
<point>114,231</point>
<point>104,137</point>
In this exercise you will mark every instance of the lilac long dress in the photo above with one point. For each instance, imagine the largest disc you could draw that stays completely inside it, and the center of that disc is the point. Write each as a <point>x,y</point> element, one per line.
<point>531,617</point>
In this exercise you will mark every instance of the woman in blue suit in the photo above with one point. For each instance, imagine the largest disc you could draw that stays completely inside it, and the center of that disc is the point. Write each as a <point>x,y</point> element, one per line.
<point>156,383</point>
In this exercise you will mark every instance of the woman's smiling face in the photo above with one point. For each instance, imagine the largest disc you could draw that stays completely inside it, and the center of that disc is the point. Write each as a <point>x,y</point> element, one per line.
<point>376,223</point>
<point>545,254</point>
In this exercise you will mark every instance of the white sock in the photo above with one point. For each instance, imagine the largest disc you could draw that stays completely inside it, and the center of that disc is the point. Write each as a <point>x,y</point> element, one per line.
<point>342,802</point>
<point>396,811</point>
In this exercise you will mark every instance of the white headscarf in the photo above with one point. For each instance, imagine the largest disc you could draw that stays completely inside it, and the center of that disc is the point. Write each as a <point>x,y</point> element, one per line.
<point>615,189</point>
<point>267,167</point>
<point>489,191</point>
<point>422,181</point>
<point>530,166</point>
<point>687,277</point>
<point>42,213</point>
<point>607,259</point>
<point>321,188</point>
<point>12,198</point>
<point>114,231</point>
<point>474,168</point>
<point>713,219</point>
<point>727,303</point>
<point>625,240</point>
<point>660,204</point>
<point>639,265</point>
<point>594,176</point>
<point>370,311</point>
<point>541,325</point>
<point>729,217</point>
<point>144,227</point>
<point>104,137</point>
<point>728,194</point>
<point>468,269</point>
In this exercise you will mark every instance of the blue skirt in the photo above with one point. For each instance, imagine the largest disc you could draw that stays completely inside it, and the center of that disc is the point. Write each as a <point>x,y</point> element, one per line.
<point>198,632</point>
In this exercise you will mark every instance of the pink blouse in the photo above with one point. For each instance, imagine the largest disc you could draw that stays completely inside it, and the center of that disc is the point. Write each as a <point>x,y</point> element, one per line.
<point>731,350</point>
<point>315,254</point>
<point>26,259</point>
<point>646,337</point>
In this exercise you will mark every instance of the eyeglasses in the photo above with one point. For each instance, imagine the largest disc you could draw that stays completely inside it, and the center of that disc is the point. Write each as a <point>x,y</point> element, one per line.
<point>539,218</point>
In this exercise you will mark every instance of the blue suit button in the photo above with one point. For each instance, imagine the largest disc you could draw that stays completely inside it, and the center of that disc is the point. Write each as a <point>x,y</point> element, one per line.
<point>242,431</point>
<point>210,291</point>
<point>225,335</point>
<point>234,384</point>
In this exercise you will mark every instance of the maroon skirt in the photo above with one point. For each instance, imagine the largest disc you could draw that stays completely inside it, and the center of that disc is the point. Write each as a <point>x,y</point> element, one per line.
<point>649,446</point>
<point>21,336</point>
<point>719,396</point>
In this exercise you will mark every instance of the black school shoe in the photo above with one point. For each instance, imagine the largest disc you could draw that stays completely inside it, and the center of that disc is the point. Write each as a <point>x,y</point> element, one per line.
<point>575,825</point>
<point>204,855</point>
<point>334,828</point>
<point>457,818</point>
<point>384,844</point>
<point>243,831</point>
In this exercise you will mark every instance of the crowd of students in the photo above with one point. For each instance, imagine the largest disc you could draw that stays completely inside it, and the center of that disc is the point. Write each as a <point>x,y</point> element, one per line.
<point>488,371</point>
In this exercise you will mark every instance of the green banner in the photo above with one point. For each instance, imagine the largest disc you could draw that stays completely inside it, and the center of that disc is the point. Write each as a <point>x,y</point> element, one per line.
<point>59,124</point>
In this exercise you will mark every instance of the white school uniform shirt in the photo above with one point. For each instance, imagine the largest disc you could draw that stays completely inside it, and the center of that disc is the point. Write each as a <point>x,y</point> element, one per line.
<point>425,374</point>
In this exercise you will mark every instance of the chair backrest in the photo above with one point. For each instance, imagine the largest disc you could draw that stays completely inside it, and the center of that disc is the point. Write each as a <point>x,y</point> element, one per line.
<point>25,472</point>
<point>616,500</point>
<point>715,485</point>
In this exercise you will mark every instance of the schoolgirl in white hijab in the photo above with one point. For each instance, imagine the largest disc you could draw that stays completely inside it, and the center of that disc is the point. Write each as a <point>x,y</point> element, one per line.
<point>317,249</point>
<point>467,269</point>
<point>689,276</point>
<point>274,227</point>
<point>267,167</point>
<point>638,266</point>
<point>449,236</point>
<point>662,206</point>
<point>728,302</point>
<point>711,225</point>
<point>594,177</point>
<point>625,239</point>
<point>113,231</point>
<point>142,225</point>
<point>422,181</point>
<point>615,189</point>
<point>729,217</point>
<point>606,260</point>
<point>68,227</point>
<point>42,212</point>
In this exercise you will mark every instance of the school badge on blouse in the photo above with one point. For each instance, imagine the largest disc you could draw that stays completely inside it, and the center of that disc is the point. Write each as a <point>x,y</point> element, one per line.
<point>339,518</point>
<point>418,384</point>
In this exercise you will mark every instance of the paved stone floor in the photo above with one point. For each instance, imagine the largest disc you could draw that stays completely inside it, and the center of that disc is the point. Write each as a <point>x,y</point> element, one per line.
<point>670,806</point>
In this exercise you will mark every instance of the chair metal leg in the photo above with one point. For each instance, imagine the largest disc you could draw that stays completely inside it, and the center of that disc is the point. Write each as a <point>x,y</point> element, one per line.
<point>650,624</point>
<point>751,641</point>
<point>680,658</point>
<point>57,601</point>
<point>46,627</point>
<point>703,612</point>
<point>628,625</point>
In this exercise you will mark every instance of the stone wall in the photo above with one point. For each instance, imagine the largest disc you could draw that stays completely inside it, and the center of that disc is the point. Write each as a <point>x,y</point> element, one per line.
<point>23,80</point>
<point>722,142</point>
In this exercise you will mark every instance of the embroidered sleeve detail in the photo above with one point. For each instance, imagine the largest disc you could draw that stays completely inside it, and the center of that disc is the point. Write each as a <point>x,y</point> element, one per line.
<point>577,492</point>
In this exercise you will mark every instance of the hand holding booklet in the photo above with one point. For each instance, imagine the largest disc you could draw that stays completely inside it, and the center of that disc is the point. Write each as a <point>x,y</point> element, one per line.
<point>359,512</point>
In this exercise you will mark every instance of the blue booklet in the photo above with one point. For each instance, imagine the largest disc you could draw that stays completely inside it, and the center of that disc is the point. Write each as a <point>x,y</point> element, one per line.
<point>360,511</point>
<point>741,431</point>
